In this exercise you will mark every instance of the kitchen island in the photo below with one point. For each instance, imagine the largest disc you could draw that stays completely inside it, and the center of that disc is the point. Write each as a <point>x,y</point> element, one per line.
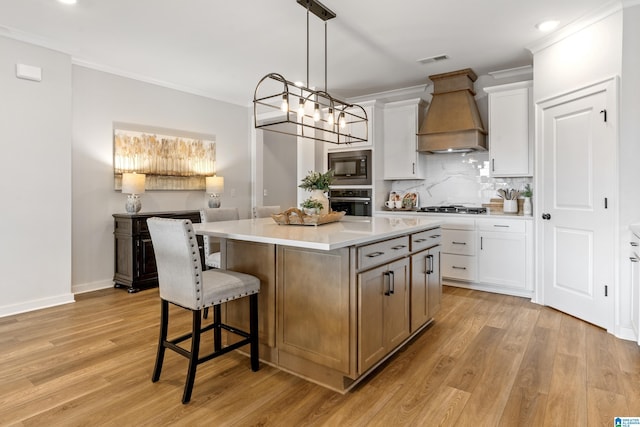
<point>338,299</point>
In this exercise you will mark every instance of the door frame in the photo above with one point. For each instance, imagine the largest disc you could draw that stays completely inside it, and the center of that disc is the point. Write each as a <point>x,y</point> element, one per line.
<point>611,86</point>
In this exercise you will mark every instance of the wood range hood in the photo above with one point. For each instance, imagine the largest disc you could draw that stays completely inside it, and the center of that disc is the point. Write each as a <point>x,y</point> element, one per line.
<point>453,122</point>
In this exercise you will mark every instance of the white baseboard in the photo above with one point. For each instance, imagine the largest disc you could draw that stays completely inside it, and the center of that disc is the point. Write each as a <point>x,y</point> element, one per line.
<point>92,286</point>
<point>626,334</point>
<point>37,304</point>
<point>489,288</point>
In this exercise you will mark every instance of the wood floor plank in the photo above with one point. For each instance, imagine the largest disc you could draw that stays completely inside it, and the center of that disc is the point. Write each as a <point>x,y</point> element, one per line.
<point>604,406</point>
<point>487,359</point>
<point>527,401</point>
<point>567,400</point>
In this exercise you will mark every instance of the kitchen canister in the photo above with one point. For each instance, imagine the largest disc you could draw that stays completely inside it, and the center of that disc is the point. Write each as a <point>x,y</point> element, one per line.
<point>510,206</point>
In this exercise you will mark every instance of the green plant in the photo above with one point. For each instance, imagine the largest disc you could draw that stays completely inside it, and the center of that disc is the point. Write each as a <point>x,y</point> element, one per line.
<point>528,192</point>
<point>317,181</point>
<point>311,204</point>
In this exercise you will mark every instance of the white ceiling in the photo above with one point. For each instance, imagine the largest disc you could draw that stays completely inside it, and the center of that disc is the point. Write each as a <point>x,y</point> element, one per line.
<point>221,49</point>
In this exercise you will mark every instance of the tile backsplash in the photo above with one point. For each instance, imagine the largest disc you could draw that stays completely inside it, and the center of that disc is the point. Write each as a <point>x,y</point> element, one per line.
<point>458,178</point>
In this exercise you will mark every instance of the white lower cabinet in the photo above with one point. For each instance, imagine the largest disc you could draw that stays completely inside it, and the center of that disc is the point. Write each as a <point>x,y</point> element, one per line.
<point>459,250</point>
<point>490,254</point>
<point>501,259</point>
<point>459,267</point>
<point>634,257</point>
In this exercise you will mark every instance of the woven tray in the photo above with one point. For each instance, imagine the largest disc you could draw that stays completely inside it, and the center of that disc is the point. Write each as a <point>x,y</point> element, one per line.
<point>295,216</point>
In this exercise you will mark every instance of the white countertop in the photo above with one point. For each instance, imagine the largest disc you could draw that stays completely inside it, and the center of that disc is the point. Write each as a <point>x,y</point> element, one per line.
<point>488,215</point>
<point>351,230</point>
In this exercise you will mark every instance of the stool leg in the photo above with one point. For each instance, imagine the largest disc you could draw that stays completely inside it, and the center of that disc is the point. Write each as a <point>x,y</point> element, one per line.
<point>253,331</point>
<point>193,356</point>
<point>164,323</point>
<point>217,330</point>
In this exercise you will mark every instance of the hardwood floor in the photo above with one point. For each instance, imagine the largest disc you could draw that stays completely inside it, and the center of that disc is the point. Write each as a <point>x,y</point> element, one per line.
<point>488,360</point>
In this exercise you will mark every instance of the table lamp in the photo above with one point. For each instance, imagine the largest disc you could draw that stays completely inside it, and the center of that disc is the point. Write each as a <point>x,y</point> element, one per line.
<point>133,185</point>
<point>215,187</point>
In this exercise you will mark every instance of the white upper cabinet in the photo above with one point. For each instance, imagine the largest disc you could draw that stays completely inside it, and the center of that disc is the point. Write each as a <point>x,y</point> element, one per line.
<point>511,129</point>
<point>370,108</point>
<point>402,121</point>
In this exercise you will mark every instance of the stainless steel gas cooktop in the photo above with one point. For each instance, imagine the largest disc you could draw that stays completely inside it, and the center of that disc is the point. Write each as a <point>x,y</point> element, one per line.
<point>459,209</point>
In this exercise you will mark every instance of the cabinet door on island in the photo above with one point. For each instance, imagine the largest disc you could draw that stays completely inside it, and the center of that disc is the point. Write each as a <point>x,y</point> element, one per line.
<point>383,317</point>
<point>426,286</point>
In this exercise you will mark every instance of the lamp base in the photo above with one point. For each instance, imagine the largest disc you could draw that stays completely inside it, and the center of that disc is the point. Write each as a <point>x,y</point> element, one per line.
<point>133,204</point>
<point>214,201</point>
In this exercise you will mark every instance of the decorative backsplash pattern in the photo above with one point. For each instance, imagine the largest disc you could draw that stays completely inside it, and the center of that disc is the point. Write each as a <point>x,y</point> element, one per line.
<point>458,178</point>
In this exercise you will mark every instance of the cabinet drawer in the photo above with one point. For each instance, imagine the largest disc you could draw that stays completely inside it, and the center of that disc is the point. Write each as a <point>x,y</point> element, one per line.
<point>425,239</point>
<point>503,226</point>
<point>461,242</point>
<point>460,267</point>
<point>381,252</point>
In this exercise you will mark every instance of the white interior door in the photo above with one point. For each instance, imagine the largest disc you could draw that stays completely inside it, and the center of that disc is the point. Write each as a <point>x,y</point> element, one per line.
<point>578,220</point>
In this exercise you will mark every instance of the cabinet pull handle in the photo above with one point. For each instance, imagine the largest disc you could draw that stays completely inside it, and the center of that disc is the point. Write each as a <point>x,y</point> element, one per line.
<point>392,283</point>
<point>420,240</point>
<point>633,259</point>
<point>387,291</point>
<point>374,254</point>
<point>395,248</point>
<point>413,165</point>
<point>459,243</point>
<point>435,236</point>
<point>493,165</point>
<point>429,258</point>
<point>633,243</point>
<point>459,268</point>
<point>500,225</point>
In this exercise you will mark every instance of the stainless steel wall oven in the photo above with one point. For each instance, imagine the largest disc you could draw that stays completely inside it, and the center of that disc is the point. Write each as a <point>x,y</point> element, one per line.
<point>353,201</point>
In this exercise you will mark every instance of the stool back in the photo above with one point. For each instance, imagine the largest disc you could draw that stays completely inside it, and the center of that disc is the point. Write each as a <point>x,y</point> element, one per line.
<point>178,261</point>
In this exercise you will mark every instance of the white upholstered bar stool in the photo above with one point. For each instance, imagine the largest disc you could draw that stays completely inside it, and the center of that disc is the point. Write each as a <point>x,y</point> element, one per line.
<point>183,283</point>
<point>211,245</point>
<point>265,211</point>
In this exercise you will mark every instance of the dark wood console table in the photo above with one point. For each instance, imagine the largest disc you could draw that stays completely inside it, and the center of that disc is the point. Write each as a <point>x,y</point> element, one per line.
<point>134,259</point>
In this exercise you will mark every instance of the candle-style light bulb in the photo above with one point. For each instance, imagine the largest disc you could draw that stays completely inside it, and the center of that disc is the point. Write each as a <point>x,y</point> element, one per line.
<point>342,121</point>
<point>316,112</point>
<point>284,107</point>
<point>301,108</point>
<point>330,118</point>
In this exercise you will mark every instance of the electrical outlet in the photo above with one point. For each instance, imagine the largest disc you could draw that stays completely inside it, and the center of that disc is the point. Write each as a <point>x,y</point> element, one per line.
<point>265,192</point>
<point>233,192</point>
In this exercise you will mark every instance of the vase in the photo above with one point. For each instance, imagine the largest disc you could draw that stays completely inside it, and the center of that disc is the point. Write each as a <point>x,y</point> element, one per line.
<point>322,198</point>
<point>527,209</point>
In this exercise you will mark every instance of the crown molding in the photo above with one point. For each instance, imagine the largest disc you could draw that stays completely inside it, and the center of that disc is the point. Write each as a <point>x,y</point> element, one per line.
<point>402,93</point>
<point>585,21</point>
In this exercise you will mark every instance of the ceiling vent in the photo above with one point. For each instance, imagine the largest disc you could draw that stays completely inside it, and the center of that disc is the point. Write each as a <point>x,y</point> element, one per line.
<point>431,59</point>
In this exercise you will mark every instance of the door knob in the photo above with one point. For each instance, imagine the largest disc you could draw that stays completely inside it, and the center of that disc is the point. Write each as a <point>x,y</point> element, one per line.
<point>546,216</point>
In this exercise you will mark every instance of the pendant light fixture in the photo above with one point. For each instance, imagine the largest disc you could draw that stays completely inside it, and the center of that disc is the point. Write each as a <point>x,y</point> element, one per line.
<point>315,113</point>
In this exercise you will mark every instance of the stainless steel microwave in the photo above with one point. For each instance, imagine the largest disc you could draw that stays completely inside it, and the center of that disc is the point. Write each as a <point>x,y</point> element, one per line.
<point>351,167</point>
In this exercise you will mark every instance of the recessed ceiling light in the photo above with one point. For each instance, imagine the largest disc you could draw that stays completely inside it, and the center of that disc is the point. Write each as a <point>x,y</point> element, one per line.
<point>545,26</point>
<point>68,1</point>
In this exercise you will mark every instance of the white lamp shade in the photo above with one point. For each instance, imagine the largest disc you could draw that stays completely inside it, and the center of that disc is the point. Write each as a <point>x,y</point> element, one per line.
<point>133,183</point>
<point>215,184</point>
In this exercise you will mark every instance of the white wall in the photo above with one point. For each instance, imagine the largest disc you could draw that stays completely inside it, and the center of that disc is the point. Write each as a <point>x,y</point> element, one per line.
<point>35,179</point>
<point>279,169</point>
<point>605,49</point>
<point>99,100</point>
<point>629,153</point>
